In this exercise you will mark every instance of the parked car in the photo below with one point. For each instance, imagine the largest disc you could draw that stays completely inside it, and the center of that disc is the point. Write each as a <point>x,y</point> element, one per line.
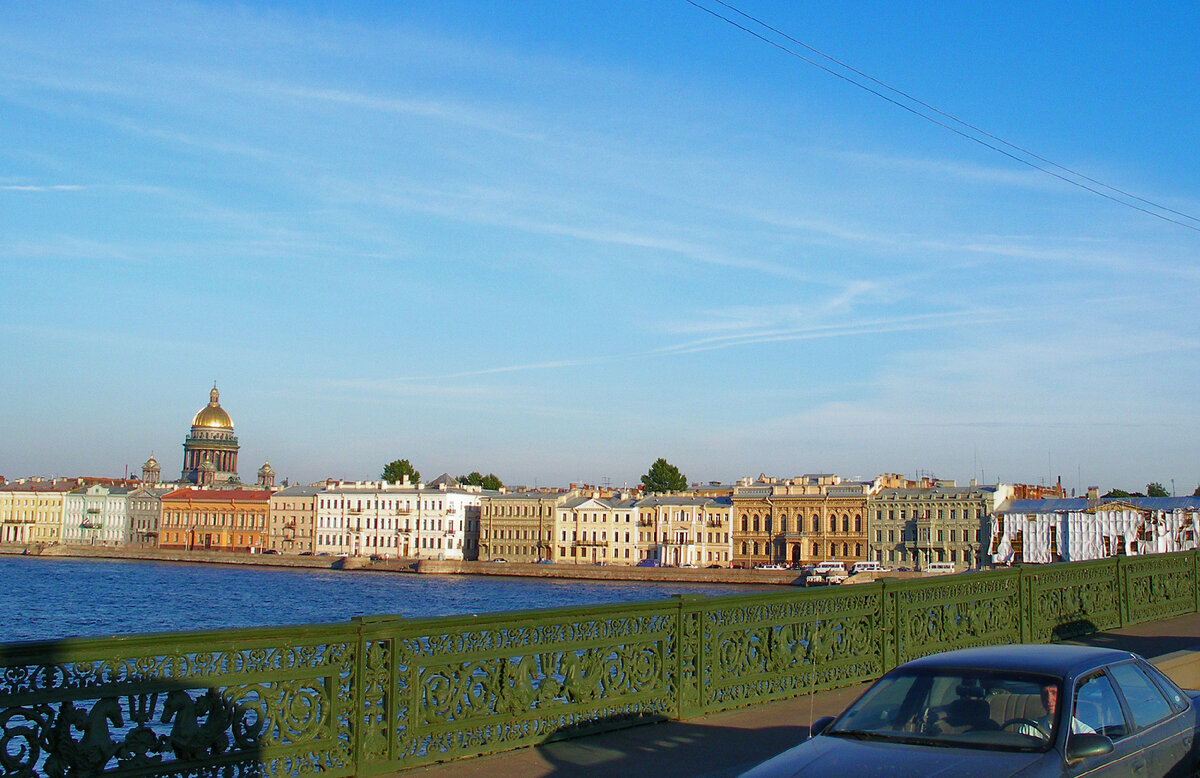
<point>649,563</point>
<point>1050,710</point>
<point>499,560</point>
<point>771,566</point>
<point>939,568</point>
<point>544,562</point>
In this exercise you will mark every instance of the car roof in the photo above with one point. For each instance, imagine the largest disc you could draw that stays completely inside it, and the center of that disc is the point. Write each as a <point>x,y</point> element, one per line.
<point>1060,659</point>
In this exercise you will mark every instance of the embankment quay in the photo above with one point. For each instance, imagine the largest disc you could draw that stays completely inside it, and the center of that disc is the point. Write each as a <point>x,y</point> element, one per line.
<point>380,695</point>
<point>419,566</point>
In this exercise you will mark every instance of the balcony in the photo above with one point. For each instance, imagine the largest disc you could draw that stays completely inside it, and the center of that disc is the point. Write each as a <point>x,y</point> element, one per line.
<point>645,522</point>
<point>591,543</point>
<point>91,524</point>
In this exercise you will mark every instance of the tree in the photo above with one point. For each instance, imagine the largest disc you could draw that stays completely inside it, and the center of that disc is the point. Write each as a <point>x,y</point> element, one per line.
<point>489,481</point>
<point>1156,490</point>
<point>1197,492</point>
<point>664,477</point>
<point>394,472</point>
<point>1117,493</point>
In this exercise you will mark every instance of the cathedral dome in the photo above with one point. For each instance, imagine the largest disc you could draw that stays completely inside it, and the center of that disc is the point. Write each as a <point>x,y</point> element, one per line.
<point>213,415</point>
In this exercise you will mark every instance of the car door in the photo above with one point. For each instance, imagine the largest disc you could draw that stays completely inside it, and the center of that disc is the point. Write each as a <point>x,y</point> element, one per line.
<point>1166,735</point>
<point>1095,707</point>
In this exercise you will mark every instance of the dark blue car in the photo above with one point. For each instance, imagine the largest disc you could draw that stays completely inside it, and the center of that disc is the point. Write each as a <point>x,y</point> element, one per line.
<point>1016,710</point>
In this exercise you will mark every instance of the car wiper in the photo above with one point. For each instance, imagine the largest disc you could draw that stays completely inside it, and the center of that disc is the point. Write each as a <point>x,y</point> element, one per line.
<point>862,734</point>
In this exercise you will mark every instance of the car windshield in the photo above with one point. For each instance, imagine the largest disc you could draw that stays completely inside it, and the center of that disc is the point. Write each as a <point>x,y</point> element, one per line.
<point>956,708</point>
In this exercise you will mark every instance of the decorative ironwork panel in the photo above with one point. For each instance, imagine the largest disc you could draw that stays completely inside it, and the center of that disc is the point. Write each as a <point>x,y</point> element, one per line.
<point>769,647</point>
<point>231,703</point>
<point>1158,586</point>
<point>954,611</point>
<point>470,686</point>
<point>1066,601</point>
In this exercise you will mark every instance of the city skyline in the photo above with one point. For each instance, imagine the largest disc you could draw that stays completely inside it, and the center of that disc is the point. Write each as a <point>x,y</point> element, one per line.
<point>557,243</point>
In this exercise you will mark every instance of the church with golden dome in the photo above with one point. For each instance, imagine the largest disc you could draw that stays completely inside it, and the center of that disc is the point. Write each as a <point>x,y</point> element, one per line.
<point>210,450</point>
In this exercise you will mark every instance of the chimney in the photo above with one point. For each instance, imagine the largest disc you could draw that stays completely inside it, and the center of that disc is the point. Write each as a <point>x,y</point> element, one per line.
<point>1093,496</point>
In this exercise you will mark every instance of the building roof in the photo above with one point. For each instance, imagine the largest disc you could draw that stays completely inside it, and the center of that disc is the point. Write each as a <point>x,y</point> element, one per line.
<point>218,495</point>
<point>298,490</point>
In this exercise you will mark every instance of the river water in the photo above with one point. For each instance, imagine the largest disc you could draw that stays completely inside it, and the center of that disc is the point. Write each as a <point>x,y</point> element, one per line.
<point>51,598</point>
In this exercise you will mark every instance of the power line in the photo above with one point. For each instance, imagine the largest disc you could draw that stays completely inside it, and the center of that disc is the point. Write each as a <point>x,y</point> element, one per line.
<point>1048,167</point>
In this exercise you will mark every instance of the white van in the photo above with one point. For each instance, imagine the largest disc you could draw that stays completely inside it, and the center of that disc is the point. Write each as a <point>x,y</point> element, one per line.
<point>939,568</point>
<point>830,567</point>
<point>869,567</point>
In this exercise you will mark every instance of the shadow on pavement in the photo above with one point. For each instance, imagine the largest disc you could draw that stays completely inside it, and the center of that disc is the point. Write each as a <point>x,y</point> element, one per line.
<point>675,748</point>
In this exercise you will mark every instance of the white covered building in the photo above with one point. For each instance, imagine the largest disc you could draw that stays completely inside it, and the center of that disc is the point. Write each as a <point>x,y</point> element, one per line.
<point>1073,530</point>
<point>377,518</point>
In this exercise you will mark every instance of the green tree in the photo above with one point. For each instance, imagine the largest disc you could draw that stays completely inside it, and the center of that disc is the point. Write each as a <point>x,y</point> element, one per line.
<point>1117,493</point>
<point>664,477</point>
<point>1156,490</point>
<point>490,481</point>
<point>1197,492</point>
<point>394,472</point>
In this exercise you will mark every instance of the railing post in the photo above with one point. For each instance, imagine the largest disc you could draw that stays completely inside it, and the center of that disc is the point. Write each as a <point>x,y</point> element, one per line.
<point>1025,603</point>
<point>689,655</point>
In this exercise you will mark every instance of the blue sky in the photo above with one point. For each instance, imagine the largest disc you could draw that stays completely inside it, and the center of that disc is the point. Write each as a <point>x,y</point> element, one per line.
<point>556,241</point>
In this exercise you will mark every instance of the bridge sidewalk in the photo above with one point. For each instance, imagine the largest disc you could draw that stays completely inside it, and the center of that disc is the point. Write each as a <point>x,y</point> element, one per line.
<point>728,743</point>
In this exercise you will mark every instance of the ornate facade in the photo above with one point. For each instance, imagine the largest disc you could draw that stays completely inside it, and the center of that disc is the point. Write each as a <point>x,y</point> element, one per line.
<point>685,531</point>
<point>803,520</point>
<point>210,450</point>
<point>293,518</point>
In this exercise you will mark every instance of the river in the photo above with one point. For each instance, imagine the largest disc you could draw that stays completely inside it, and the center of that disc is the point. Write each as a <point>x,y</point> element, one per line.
<point>50,598</point>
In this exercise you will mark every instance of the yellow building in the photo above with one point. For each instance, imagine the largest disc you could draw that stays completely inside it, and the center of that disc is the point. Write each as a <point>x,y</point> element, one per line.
<point>803,520</point>
<point>31,511</point>
<point>518,526</point>
<point>590,530</point>
<point>214,520</point>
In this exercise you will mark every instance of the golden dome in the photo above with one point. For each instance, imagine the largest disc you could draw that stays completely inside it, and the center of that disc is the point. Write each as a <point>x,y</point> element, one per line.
<point>213,415</point>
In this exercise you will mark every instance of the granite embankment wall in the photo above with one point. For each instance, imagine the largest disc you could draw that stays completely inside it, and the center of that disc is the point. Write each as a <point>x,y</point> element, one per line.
<point>430,566</point>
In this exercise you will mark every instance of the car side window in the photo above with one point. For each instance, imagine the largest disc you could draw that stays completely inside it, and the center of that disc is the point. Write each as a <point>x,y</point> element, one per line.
<point>1146,703</point>
<point>1174,694</point>
<point>1096,708</point>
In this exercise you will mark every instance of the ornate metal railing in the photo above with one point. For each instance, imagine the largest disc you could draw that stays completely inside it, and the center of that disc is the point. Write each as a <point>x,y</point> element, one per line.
<point>376,695</point>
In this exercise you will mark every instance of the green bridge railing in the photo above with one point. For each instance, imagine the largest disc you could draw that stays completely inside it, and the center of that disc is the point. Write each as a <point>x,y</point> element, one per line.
<point>376,695</point>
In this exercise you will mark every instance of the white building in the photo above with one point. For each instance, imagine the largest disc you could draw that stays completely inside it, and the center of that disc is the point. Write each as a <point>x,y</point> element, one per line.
<point>686,531</point>
<point>377,518</point>
<point>1073,530</point>
<point>96,515</point>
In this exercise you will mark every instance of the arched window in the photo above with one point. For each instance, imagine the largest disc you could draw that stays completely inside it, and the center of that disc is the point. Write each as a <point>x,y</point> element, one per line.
<point>833,523</point>
<point>756,548</point>
<point>743,545</point>
<point>846,523</point>
<point>783,522</point>
<point>832,550</point>
<point>858,549</point>
<point>816,524</point>
<point>745,524</point>
<point>768,523</point>
<point>816,550</point>
<point>756,526</point>
<point>858,522</point>
<point>845,550</point>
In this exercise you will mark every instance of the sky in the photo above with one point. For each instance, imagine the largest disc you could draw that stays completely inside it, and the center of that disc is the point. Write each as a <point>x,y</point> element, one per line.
<point>556,241</point>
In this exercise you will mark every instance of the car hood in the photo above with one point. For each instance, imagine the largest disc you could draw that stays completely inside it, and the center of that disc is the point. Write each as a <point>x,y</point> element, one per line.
<point>829,757</point>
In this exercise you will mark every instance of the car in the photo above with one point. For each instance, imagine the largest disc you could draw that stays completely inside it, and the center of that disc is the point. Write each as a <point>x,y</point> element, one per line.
<point>544,562</point>
<point>715,567</point>
<point>648,563</point>
<point>1028,710</point>
<point>499,560</point>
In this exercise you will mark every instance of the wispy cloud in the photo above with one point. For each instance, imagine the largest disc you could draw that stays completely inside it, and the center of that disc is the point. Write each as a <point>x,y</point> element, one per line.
<point>41,187</point>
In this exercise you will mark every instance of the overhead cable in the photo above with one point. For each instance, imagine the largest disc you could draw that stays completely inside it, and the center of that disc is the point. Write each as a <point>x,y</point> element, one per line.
<point>1047,166</point>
